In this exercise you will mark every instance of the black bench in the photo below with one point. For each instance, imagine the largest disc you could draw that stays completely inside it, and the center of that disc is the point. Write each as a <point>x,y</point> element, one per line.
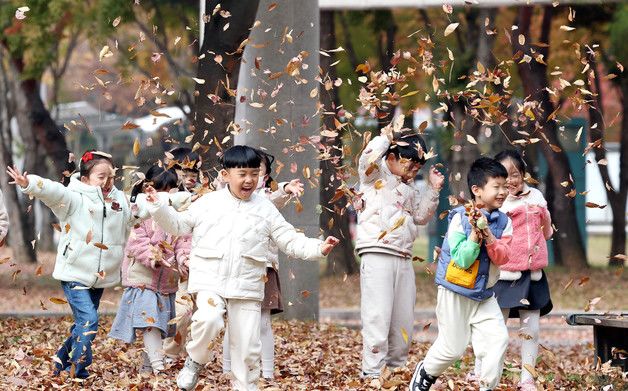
<point>610,336</point>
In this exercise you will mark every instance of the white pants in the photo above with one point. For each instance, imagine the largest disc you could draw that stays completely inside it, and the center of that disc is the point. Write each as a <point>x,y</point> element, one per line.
<point>268,348</point>
<point>460,318</point>
<point>388,295</point>
<point>243,324</point>
<point>529,327</point>
<point>184,308</point>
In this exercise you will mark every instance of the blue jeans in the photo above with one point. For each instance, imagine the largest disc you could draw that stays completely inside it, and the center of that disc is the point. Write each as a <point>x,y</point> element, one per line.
<point>77,348</point>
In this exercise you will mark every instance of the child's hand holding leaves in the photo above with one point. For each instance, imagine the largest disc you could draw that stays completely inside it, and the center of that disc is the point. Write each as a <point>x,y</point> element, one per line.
<point>18,178</point>
<point>328,245</point>
<point>436,179</point>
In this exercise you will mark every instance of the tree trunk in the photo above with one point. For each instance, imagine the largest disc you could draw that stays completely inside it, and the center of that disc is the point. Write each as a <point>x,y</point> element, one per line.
<point>618,238</point>
<point>214,108</point>
<point>334,218</point>
<point>568,246</point>
<point>288,131</point>
<point>21,229</point>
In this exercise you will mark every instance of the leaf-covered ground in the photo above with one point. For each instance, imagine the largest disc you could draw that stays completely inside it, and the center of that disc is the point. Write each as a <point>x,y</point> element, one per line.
<point>309,357</point>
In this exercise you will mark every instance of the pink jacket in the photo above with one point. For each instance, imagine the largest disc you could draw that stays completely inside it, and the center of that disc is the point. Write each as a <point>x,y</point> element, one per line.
<point>154,259</point>
<point>532,226</point>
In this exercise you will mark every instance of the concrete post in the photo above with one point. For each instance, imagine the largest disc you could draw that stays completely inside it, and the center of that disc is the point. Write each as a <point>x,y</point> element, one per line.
<point>288,115</point>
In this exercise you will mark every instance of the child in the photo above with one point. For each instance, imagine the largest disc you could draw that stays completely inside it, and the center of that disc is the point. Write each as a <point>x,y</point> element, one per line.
<point>4,220</point>
<point>521,279</point>
<point>389,214</point>
<point>466,307</point>
<point>187,166</point>
<point>272,290</point>
<point>231,229</point>
<point>150,271</point>
<point>95,218</point>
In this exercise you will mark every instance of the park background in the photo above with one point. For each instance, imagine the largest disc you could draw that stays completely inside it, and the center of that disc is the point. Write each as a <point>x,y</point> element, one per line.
<point>306,81</point>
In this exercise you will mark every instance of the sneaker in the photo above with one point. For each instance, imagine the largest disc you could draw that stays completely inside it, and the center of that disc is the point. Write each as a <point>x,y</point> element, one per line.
<point>421,381</point>
<point>528,385</point>
<point>146,367</point>
<point>158,367</point>
<point>188,376</point>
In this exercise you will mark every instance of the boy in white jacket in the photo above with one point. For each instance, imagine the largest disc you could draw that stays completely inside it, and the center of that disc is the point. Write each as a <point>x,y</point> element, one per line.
<point>231,232</point>
<point>4,220</point>
<point>388,219</point>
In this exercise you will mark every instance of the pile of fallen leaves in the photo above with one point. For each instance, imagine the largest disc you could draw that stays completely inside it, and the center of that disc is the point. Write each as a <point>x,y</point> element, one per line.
<point>309,356</point>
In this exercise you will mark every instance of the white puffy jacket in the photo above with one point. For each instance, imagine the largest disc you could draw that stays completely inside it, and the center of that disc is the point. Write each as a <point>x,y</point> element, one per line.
<point>81,208</point>
<point>392,209</point>
<point>231,241</point>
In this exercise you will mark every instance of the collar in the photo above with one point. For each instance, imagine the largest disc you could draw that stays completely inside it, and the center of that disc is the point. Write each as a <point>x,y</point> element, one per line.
<point>491,216</point>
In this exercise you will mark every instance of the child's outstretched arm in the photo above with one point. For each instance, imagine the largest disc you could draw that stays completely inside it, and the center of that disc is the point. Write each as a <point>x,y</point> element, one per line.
<point>498,249</point>
<point>56,196</point>
<point>426,202</point>
<point>285,191</point>
<point>464,250</point>
<point>171,221</point>
<point>4,219</point>
<point>296,244</point>
<point>182,246</point>
<point>369,163</point>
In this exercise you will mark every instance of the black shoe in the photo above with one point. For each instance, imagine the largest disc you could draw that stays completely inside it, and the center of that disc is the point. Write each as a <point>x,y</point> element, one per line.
<point>421,381</point>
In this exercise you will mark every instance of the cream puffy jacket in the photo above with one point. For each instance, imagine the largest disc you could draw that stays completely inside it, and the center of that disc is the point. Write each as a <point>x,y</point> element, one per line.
<point>392,210</point>
<point>95,260</point>
<point>231,241</point>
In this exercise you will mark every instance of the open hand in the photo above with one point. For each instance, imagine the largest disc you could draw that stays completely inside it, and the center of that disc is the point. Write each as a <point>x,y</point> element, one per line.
<point>436,179</point>
<point>151,194</point>
<point>329,243</point>
<point>18,178</point>
<point>294,187</point>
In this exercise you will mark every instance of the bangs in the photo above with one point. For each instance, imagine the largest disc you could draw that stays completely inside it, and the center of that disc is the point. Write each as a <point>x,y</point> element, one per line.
<point>241,156</point>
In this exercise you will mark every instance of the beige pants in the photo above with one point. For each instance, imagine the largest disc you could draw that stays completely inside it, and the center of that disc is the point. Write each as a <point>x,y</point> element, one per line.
<point>243,324</point>
<point>460,318</point>
<point>388,295</point>
<point>184,308</point>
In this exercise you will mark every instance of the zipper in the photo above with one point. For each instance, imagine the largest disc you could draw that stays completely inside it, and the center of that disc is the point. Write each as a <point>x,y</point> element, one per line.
<point>230,260</point>
<point>65,251</point>
<point>102,239</point>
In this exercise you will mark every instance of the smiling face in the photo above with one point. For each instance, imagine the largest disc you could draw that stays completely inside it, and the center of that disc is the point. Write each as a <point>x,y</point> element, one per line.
<point>515,177</point>
<point>101,175</point>
<point>188,178</point>
<point>242,181</point>
<point>492,195</point>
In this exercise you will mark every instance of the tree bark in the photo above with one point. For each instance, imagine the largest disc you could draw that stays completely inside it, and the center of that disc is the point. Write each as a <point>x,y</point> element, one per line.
<point>21,229</point>
<point>211,118</point>
<point>334,218</point>
<point>568,246</point>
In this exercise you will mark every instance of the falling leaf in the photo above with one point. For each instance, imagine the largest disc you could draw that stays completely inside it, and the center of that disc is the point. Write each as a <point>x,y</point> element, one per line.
<point>116,21</point>
<point>199,81</point>
<point>567,28</point>
<point>404,335</point>
<point>57,300</point>
<point>305,294</point>
<point>128,125</point>
<point>56,226</point>
<point>450,29</point>
<point>594,205</point>
<point>471,139</point>
<point>20,13</point>
<point>136,147</point>
<point>272,6</point>
<point>101,246</point>
<point>398,223</point>
<point>88,237</point>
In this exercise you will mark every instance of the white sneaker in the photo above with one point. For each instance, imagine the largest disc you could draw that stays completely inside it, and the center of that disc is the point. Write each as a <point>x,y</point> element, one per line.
<point>188,376</point>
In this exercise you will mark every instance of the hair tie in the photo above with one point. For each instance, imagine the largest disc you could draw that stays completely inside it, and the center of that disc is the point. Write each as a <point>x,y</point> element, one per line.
<point>87,156</point>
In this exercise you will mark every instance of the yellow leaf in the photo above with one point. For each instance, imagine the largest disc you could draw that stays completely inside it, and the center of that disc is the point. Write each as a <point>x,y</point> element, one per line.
<point>57,300</point>
<point>404,334</point>
<point>398,223</point>
<point>378,184</point>
<point>136,146</point>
